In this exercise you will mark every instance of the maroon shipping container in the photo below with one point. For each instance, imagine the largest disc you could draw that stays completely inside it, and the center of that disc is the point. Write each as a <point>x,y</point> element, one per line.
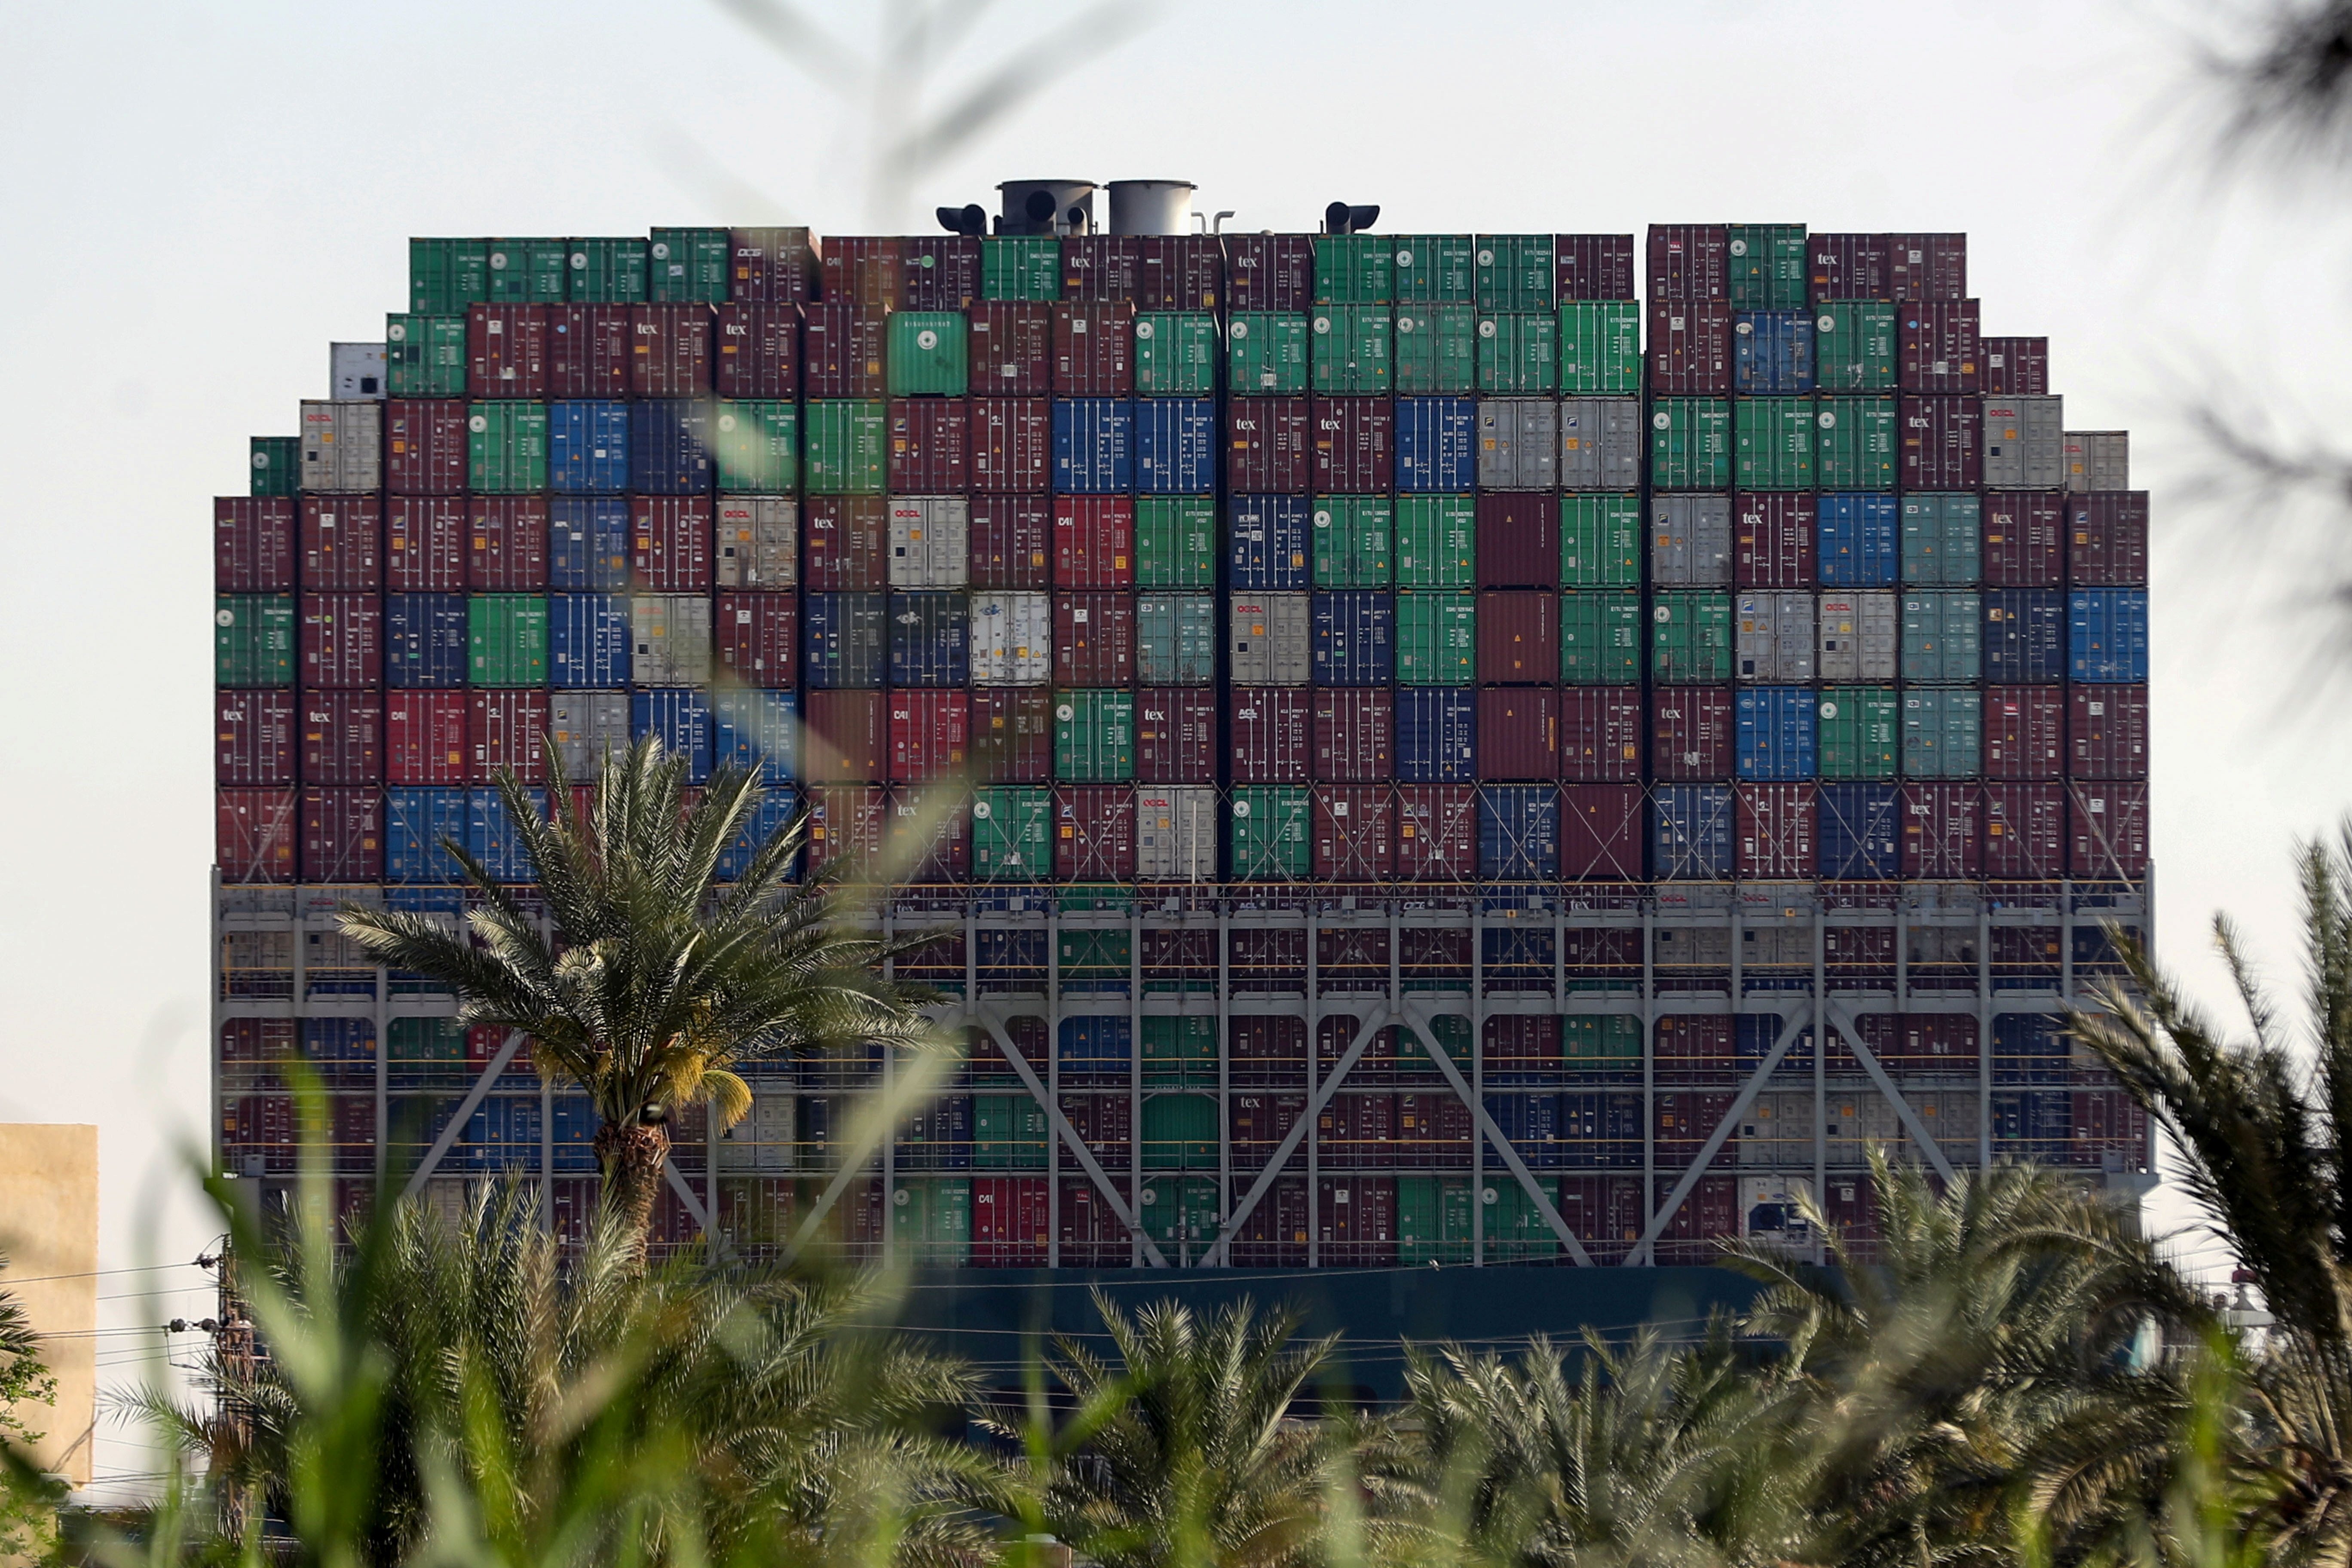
<point>343,543</point>
<point>342,835</point>
<point>1849,266</point>
<point>425,544</point>
<point>1268,1048</point>
<point>930,446</point>
<point>847,544</point>
<point>1266,441</point>
<point>1602,1212</point>
<point>506,730</point>
<point>1686,1120</point>
<point>773,266</point>
<point>1355,446</point>
<point>1274,1234</point>
<point>1689,261</point>
<point>2024,540</point>
<point>424,446</point>
<point>938,272</point>
<point>1094,639</point>
<point>1375,1114</point>
<point>2106,830</point>
<point>2024,732</point>
<point>758,638</point>
<point>1093,833</point>
<point>1091,1234</point>
<point>2024,831</point>
<point>1690,347</point>
<point>758,352</point>
<point>1943,443</point>
<point>1942,830</point>
<point>1010,541</point>
<point>1518,543</point>
<point>2106,732</point>
<point>253,735</point>
<point>1518,643</point>
<point>1927,266</point>
<point>2106,539</point>
<point>1008,1222</point>
<point>1938,345</point>
<point>1437,832</point>
<point>1094,541</point>
<point>1269,271</point>
<point>1102,267</point>
<point>253,544</point>
<point>425,738</point>
<point>864,270</point>
<point>846,819</point>
<point>1601,832</point>
<point>670,543</point>
<point>342,738</point>
<point>1179,273</point>
<point>2014,367</point>
<point>254,834</point>
<point>1599,734</point>
<point>1356,1221</point>
<point>1259,1122</point>
<point>343,641</point>
<point>1011,444</point>
<point>588,350</point>
<point>1013,348</point>
<point>1518,728</point>
<point>1355,734</point>
<point>926,834</point>
<point>1772,540</point>
<point>1922,1042</point>
<point>1176,735</point>
<point>1012,734</point>
<point>1272,734</point>
<point>1690,732</point>
<point>1354,833</point>
<point>506,351</point>
<point>1094,350</point>
<point>2109,1129</point>
<point>846,736</point>
<point>1433,1130</point>
<point>670,350</point>
<point>1694,1048</point>
<point>1593,267</point>
<point>930,733</point>
<point>507,544</point>
<point>1778,826</point>
<point>1695,1233</point>
<point>841,352</point>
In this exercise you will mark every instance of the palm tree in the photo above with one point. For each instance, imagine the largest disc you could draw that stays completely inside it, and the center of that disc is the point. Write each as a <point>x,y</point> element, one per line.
<point>658,978</point>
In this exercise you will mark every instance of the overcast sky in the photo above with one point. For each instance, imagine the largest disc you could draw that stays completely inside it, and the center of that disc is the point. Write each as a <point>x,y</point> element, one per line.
<point>202,196</point>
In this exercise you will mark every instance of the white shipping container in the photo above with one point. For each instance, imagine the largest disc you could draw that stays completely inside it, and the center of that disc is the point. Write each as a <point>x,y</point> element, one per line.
<point>1012,639</point>
<point>2098,459</point>
<point>343,445</point>
<point>1176,834</point>
<point>762,1141</point>
<point>1768,1205</point>
<point>1777,1133</point>
<point>1518,444</point>
<point>1690,541</point>
<point>759,542</point>
<point>1859,637</point>
<point>1600,444</point>
<point>354,372</point>
<point>669,640</point>
<point>585,725</point>
<point>2025,443</point>
<point>1859,1117</point>
<point>1273,639</point>
<point>1775,639</point>
<point>1951,1117</point>
<point>929,539</point>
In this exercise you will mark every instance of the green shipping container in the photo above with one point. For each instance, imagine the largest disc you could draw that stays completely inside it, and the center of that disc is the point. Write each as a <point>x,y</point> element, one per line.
<point>1775,443</point>
<point>1943,637</point>
<point>1354,270</point>
<point>1599,346</point>
<point>1179,1132</point>
<point>1094,736</point>
<point>689,265</point>
<point>1436,541</point>
<point>1437,639</point>
<point>1600,541</point>
<point>1012,834</point>
<point>527,272</point>
<point>1519,353</point>
<point>1943,733</point>
<point>1855,443</point>
<point>1175,542</point>
<point>1860,731</point>
<point>1515,271</point>
<point>1433,1219</point>
<point>506,448</point>
<point>1175,639</point>
<point>1021,266</point>
<point>1450,1032</point>
<point>1853,345</point>
<point>426,1053</point>
<point>1516,1231</point>
<point>1350,348</point>
<point>926,353</point>
<point>1008,1132</point>
<point>1353,541</point>
<point>1608,1042</point>
<point>444,276</point>
<point>608,272</point>
<point>1690,444</point>
<point>1269,834</point>
<point>1767,266</point>
<point>1180,1214</point>
<point>1176,354</point>
<point>1095,955</point>
<point>1600,639</point>
<point>1180,1048</point>
<point>1690,639</point>
<point>424,356</point>
<point>253,639</point>
<point>844,448</point>
<point>759,447</point>
<point>1437,350</point>
<point>277,465</point>
<point>1266,353</point>
<point>930,1222</point>
<point>1942,539</point>
<point>508,637</point>
<point>1436,268</point>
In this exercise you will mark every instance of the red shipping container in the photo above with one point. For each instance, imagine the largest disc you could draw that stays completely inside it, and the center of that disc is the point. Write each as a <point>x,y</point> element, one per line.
<point>670,350</point>
<point>1518,727</point>
<point>1259,1122</point>
<point>343,543</point>
<point>506,730</point>
<point>1010,541</point>
<point>2024,732</point>
<point>938,271</point>
<point>254,834</point>
<point>1266,445</point>
<point>1012,734</point>
<point>506,351</point>
<point>1094,541</point>
<point>1927,266</point>
<point>425,738</point>
<point>1372,1117</point>
<point>1354,833</point>
<point>1274,1235</point>
<point>1778,826</point>
<point>507,544</point>
<point>930,446</point>
<point>2106,539</point>
<point>1599,734</point>
<point>1272,734</point>
<point>847,544</point>
<point>1176,735</point>
<point>1519,642</point>
<point>1013,348</point>
<point>864,270</point>
<point>2025,831</point>
<point>1938,345</point>
<point>342,835</point>
<point>1601,832</point>
<point>1270,271</point>
<point>342,641</point>
<point>2106,830</point>
<point>1922,1042</point>
<point>1772,540</point>
<point>1942,832</point>
<point>1012,445</point>
<point>759,638</point>
<point>1686,1120</point>
<point>1355,446</point>
<point>2106,732</point>
<point>1094,350</point>
<point>2024,540</point>
<point>1849,267</point>
<point>253,735</point>
<point>1437,832</point>
<point>424,446</point>
<point>846,819</point>
<point>1094,639</point>
<point>1102,267</point>
<point>1690,347</point>
<point>927,834</point>
<point>1091,1236</point>
<point>1943,443</point>
<point>1689,261</point>
<point>670,543</point>
<point>253,544</point>
<point>342,738</point>
<point>930,733</point>
<point>846,736</point>
<point>840,351</point>
<point>1433,1128</point>
<point>1690,732</point>
<point>1355,734</point>
<point>588,350</point>
<point>1518,543</point>
<point>1695,1233</point>
<point>1008,1222</point>
<point>758,352</point>
<point>1268,1048</point>
<point>2014,367</point>
<point>1179,273</point>
<point>1356,1221</point>
<point>773,265</point>
<point>1093,833</point>
<point>1593,267</point>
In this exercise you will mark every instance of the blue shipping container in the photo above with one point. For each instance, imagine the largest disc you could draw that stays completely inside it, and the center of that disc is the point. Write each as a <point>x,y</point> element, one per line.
<point>417,823</point>
<point>424,640</point>
<point>1754,1034</point>
<point>2027,1047</point>
<point>843,640</point>
<point>575,1134</point>
<point>1436,734</point>
<point>937,1136</point>
<point>1104,1043</point>
<point>492,838</point>
<point>587,640</point>
<point>1772,352</point>
<point>502,1134</point>
<point>426,900</point>
<point>1531,1124</point>
<point>680,717</point>
<point>1094,446</point>
<point>1176,447</point>
<point>588,542</point>
<point>1860,832</point>
<point>1691,837</point>
<point>1268,544</point>
<point>1355,638</point>
<point>2024,636</point>
<point>1436,444</point>
<point>2107,635</point>
<point>588,448</point>
<point>930,638</point>
<point>1519,832</point>
<point>1859,537</point>
<point>756,730</point>
<point>331,1041</point>
<point>669,446</point>
<point>775,809</point>
<point>2034,1124</point>
<point>1776,732</point>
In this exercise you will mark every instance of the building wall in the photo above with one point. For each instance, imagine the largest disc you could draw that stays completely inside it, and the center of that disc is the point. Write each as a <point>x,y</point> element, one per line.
<point>49,1228</point>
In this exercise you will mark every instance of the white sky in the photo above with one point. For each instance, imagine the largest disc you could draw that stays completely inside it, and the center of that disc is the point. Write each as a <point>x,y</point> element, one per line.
<point>202,196</point>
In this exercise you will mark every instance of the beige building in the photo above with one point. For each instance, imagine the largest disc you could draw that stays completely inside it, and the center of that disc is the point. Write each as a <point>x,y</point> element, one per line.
<point>49,1228</point>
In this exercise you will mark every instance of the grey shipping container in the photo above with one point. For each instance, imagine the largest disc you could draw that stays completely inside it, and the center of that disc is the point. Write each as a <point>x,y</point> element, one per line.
<point>1601,440</point>
<point>1860,633</point>
<point>1012,639</point>
<point>669,640</point>
<point>343,445</point>
<point>1775,637</point>
<point>1690,540</point>
<point>1518,444</point>
<point>2098,459</point>
<point>1175,833</point>
<point>2025,444</point>
<point>1273,636</point>
<point>758,543</point>
<point>929,542</point>
<point>585,725</point>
